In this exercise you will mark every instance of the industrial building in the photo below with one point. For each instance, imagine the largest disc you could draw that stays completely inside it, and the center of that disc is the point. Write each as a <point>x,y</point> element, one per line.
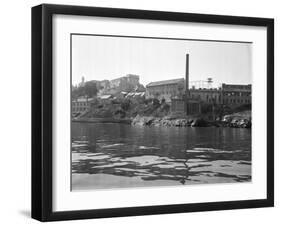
<point>211,96</point>
<point>191,102</point>
<point>228,94</point>
<point>166,89</point>
<point>186,103</point>
<point>234,95</point>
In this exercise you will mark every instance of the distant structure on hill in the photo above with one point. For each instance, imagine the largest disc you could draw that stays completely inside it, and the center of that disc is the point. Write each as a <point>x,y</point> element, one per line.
<point>82,83</point>
<point>125,83</point>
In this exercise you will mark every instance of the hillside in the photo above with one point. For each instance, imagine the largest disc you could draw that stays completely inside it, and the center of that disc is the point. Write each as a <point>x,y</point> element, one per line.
<point>126,108</point>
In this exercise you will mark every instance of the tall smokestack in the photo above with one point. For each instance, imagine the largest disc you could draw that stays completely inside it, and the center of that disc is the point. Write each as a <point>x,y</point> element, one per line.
<point>187,75</point>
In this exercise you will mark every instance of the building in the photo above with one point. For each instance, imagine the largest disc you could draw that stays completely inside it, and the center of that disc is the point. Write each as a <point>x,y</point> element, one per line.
<point>167,89</point>
<point>228,94</point>
<point>231,95</point>
<point>186,105</point>
<point>105,99</point>
<point>211,96</point>
<point>178,104</point>
<point>126,83</point>
<point>234,95</point>
<point>184,102</point>
<point>82,83</point>
<point>104,84</point>
<point>81,105</point>
<point>133,79</point>
<point>135,96</point>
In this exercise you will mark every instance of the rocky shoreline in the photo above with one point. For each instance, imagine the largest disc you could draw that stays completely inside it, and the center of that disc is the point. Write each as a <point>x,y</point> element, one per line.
<point>103,120</point>
<point>226,121</point>
<point>235,120</point>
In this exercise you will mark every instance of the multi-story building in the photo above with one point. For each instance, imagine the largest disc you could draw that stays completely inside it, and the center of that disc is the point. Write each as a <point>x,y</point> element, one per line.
<point>81,104</point>
<point>126,83</point>
<point>165,89</point>
<point>211,96</point>
<point>104,84</point>
<point>234,95</point>
<point>133,79</point>
<point>228,94</point>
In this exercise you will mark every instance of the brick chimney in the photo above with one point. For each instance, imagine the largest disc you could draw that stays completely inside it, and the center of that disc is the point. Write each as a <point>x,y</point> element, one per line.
<point>187,76</point>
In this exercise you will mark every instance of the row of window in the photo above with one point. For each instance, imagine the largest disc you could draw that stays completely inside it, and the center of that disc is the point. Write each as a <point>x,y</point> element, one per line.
<point>79,109</point>
<point>204,96</point>
<point>237,101</point>
<point>207,97</point>
<point>237,94</point>
<point>213,99</point>
<point>154,93</point>
<point>80,103</point>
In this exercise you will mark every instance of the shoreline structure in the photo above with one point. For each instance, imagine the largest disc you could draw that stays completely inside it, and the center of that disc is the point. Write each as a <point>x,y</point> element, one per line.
<point>236,120</point>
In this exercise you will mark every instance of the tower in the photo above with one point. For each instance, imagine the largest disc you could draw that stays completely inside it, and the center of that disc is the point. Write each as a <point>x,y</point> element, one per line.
<point>209,83</point>
<point>82,81</point>
<point>187,75</point>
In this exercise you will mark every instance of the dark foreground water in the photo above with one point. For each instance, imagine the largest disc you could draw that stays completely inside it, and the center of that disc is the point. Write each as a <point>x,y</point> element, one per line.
<point>116,155</point>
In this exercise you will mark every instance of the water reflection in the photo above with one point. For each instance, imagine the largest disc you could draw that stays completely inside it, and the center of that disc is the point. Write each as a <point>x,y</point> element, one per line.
<point>119,155</point>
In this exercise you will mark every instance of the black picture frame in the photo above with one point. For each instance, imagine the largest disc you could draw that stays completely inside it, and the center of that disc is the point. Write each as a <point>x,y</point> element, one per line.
<point>42,107</point>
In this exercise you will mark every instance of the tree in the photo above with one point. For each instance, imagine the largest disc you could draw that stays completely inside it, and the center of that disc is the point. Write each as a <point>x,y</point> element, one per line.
<point>206,108</point>
<point>88,90</point>
<point>126,105</point>
<point>156,102</point>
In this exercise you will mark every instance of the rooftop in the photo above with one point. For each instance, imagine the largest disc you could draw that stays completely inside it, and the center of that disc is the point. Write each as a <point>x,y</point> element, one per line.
<point>83,99</point>
<point>165,82</point>
<point>105,97</point>
<point>135,94</point>
<point>126,76</point>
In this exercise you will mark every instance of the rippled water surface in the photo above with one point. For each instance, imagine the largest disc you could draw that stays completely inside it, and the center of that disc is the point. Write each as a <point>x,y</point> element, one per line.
<point>120,155</point>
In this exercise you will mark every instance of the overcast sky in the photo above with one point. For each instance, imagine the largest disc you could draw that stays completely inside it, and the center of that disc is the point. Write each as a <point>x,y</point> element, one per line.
<point>101,57</point>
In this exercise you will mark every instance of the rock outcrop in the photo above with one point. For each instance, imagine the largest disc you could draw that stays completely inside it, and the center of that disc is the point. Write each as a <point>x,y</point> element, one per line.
<point>238,120</point>
<point>235,120</point>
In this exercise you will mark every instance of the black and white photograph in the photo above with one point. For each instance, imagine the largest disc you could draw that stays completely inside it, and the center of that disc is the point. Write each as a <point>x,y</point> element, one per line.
<point>145,112</point>
<point>156,111</point>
